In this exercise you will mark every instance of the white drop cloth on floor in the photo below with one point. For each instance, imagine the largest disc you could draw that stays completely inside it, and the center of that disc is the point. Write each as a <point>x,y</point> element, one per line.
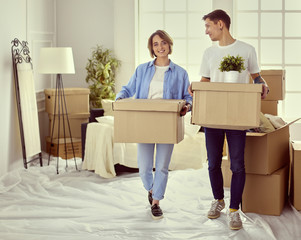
<point>39,204</point>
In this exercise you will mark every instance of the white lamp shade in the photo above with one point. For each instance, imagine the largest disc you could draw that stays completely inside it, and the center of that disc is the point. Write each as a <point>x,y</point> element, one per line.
<point>56,61</point>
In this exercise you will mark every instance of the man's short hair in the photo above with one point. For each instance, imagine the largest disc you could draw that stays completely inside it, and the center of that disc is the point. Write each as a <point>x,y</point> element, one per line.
<point>217,15</point>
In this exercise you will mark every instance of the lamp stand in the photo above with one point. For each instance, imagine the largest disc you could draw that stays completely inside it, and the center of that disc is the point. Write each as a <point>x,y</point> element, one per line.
<point>61,112</point>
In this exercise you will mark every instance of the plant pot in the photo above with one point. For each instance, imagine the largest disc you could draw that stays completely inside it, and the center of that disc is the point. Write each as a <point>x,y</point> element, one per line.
<point>231,77</point>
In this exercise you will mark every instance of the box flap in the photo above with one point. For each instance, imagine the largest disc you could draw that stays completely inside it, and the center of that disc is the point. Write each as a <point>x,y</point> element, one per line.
<point>270,72</point>
<point>149,105</point>
<point>290,123</point>
<point>68,91</point>
<point>254,134</point>
<point>229,87</point>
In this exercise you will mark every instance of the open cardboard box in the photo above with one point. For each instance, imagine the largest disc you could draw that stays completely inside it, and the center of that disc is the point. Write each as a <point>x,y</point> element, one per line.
<point>267,152</point>
<point>226,105</point>
<point>148,121</point>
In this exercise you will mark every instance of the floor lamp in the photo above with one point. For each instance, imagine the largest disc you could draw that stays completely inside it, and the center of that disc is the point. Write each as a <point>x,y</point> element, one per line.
<point>58,61</point>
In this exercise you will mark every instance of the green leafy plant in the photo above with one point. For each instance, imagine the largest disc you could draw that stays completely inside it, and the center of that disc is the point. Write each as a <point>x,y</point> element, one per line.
<point>101,71</point>
<point>231,63</point>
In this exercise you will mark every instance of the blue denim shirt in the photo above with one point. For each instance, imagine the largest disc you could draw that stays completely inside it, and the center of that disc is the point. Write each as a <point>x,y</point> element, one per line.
<point>175,84</point>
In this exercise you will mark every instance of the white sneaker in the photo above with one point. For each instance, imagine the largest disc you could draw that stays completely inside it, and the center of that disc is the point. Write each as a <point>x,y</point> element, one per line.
<point>234,220</point>
<point>216,208</point>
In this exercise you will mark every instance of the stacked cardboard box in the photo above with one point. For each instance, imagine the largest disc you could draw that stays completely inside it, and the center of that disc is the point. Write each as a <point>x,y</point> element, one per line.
<point>75,121</point>
<point>148,121</point>
<point>276,82</point>
<point>267,156</point>
<point>266,163</point>
<point>266,159</point>
<point>295,181</point>
<point>65,150</point>
<point>77,104</point>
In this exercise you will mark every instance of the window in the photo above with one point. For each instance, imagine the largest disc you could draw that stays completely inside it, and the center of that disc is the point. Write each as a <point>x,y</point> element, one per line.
<point>182,19</point>
<point>271,26</point>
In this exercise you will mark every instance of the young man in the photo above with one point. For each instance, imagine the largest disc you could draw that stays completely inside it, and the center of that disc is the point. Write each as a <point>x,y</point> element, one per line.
<point>217,24</point>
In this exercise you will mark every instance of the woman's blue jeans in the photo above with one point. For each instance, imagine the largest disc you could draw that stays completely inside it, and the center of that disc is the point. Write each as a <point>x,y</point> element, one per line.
<point>157,183</point>
<point>236,140</point>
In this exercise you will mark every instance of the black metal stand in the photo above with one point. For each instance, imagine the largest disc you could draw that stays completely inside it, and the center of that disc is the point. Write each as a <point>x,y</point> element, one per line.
<point>20,53</point>
<point>60,111</point>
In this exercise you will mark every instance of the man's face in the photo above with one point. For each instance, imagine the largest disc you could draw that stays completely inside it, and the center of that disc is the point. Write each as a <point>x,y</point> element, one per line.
<point>213,29</point>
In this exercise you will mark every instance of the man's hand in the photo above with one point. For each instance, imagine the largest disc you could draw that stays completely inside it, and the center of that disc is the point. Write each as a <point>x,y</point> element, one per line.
<point>257,79</point>
<point>265,91</point>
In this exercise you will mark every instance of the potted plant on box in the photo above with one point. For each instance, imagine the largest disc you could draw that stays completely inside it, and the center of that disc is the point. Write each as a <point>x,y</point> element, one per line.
<point>101,71</point>
<point>232,66</point>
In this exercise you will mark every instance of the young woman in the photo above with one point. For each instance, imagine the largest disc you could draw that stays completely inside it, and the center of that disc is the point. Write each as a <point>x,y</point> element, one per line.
<point>160,78</point>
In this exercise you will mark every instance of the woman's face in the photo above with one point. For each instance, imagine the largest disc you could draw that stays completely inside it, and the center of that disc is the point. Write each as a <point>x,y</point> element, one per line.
<point>160,47</point>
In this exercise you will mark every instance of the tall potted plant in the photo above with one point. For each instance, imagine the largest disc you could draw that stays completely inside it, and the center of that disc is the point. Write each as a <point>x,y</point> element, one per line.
<point>101,71</point>
<point>232,66</point>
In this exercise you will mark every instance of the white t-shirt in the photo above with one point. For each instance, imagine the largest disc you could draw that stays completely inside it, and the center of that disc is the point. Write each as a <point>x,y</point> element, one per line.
<point>214,55</point>
<point>156,84</point>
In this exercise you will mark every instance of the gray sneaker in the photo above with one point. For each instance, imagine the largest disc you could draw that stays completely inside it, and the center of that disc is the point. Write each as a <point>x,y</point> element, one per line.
<point>234,220</point>
<point>216,208</point>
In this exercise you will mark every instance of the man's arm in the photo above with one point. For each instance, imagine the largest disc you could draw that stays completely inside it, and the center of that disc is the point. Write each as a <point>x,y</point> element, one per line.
<point>257,79</point>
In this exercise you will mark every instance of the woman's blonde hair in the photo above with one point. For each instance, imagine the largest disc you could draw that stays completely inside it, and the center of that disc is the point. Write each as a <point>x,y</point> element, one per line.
<point>162,34</point>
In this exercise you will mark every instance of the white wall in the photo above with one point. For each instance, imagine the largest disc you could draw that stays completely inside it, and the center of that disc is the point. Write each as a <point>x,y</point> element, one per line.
<point>12,24</point>
<point>82,25</point>
<point>124,39</point>
<point>97,22</point>
<point>43,23</point>
<point>34,22</point>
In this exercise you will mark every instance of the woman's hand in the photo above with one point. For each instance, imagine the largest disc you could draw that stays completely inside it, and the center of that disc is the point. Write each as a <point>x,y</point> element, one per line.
<point>185,109</point>
<point>190,90</point>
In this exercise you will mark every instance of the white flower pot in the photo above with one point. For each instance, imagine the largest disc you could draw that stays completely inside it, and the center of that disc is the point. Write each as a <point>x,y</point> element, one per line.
<point>231,77</point>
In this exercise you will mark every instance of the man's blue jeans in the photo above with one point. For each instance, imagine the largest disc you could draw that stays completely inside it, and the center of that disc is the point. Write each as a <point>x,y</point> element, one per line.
<point>157,183</point>
<point>236,140</point>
